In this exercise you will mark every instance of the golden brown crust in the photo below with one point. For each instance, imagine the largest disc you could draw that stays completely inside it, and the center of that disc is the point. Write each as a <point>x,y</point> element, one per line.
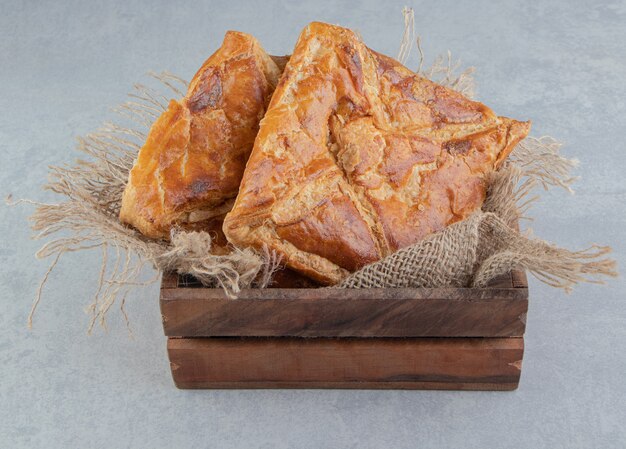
<point>357,156</point>
<point>188,171</point>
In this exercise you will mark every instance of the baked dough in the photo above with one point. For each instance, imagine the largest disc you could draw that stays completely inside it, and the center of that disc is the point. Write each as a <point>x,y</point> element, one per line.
<point>357,156</point>
<point>188,172</point>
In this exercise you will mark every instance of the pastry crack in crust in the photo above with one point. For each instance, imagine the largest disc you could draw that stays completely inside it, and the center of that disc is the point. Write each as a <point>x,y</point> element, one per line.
<point>357,157</point>
<point>187,173</point>
<point>363,205</point>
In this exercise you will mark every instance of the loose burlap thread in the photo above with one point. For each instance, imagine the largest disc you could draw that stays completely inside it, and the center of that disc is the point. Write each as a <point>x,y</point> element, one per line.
<point>468,253</point>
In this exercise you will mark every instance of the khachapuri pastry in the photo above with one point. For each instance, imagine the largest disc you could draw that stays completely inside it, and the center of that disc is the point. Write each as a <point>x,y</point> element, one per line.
<point>358,156</point>
<point>187,173</point>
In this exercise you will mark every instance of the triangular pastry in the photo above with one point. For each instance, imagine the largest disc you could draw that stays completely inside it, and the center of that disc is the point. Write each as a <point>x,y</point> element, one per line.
<point>187,173</point>
<point>357,156</point>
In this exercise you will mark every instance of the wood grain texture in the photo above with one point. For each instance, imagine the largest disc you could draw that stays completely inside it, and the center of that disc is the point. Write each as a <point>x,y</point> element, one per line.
<point>390,363</point>
<point>497,311</point>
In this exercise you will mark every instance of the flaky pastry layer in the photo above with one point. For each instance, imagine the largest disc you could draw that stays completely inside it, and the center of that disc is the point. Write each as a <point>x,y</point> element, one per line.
<point>188,172</point>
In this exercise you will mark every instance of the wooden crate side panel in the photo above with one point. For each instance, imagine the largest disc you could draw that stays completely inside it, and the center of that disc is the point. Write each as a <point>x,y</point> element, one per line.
<point>415,363</point>
<point>400,315</point>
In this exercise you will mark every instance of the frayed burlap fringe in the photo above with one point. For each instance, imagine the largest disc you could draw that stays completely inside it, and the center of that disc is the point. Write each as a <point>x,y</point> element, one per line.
<point>467,253</point>
<point>189,253</point>
<point>501,249</point>
<point>444,70</point>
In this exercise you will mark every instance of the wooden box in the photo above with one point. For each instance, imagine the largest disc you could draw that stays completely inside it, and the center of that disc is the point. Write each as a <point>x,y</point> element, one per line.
<point>409,338</point>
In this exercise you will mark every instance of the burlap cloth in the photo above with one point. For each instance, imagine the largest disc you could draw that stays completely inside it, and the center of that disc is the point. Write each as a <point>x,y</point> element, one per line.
<point>468,253</point>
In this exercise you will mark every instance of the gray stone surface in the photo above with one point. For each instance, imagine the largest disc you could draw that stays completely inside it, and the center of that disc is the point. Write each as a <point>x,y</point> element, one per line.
<point>64,64</point>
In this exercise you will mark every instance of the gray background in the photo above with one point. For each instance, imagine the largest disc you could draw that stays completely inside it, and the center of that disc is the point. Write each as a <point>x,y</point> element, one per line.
<point>64,64</point>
